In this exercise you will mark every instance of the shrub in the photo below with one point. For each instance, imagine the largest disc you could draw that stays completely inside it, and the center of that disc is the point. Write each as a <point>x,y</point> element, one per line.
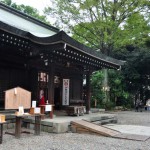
<point>109,105</point>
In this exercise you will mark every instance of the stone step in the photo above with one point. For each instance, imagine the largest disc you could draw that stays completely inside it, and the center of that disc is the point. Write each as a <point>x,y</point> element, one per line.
<point>107,121</point>
<point>61,124</point>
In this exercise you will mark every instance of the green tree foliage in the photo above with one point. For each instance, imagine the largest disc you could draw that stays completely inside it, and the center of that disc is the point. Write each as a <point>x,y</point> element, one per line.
<point>97,83</point>
<point>103,24</point>
<point>137,72</point>
<point>27,10</point>
<point>118,92</point>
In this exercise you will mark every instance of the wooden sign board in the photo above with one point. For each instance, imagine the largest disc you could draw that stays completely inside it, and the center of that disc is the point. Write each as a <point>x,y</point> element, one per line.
<point>2,118</point>
<point>16,97</point>
<point>36,110</point>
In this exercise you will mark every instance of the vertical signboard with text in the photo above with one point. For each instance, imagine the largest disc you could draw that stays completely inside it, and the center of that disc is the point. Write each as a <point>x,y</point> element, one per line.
<point>65,100</point>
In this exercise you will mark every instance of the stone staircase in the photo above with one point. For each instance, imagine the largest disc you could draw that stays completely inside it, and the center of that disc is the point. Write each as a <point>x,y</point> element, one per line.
<point>61,123</point>
<point>102,120</point>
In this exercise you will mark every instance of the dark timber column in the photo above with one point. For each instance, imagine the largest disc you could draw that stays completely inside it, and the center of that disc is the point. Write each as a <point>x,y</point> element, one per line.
<point>88,93</point>
<point>51,88</point>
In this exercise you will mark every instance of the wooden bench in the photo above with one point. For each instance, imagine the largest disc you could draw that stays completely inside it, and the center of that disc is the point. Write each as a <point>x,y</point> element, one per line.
<point>76,107</point>
<point>76,102</point>
<point>75,110</point>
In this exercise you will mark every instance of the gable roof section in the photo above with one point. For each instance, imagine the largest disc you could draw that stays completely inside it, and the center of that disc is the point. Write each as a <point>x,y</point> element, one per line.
<point>25,22</point>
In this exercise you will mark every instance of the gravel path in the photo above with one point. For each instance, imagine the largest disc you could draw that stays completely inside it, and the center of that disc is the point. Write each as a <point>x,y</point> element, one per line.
<point>74,141</point>
<point>133,118</point>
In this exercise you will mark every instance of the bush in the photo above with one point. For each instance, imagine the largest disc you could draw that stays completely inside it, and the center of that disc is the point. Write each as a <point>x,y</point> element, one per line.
<point>109,105</point>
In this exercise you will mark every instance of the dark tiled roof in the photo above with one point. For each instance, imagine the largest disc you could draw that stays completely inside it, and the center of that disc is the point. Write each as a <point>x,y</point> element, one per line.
<point>60,37</point>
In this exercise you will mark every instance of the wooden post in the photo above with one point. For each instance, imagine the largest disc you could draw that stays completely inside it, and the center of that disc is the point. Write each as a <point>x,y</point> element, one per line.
<point>37,125</point>
<point>18,127</point>
<point>88,93</point>
<point>95,104</point>
<point>51,88</point>
<point>42,111</point>
<point>1,133</point>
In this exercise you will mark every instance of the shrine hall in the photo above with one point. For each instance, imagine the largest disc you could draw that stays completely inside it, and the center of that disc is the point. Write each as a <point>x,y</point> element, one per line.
<point>36,56</point>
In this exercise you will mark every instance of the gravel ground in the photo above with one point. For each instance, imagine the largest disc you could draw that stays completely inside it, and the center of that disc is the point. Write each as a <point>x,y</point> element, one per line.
<point>74,141</point>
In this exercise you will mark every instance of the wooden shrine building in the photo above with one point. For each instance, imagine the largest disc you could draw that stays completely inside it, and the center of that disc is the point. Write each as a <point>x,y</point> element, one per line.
<point>36,56</point>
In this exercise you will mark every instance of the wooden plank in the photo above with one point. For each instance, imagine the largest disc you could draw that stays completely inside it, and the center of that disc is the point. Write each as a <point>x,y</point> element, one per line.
<point>77,129</point>
<point>95,128</point>
<point>82,130</point>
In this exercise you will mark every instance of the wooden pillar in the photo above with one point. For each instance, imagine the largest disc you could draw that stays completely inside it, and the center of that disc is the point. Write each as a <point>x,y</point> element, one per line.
<point>1,132</point>
<point>88,93</point>
<point>51,88</point>
<point>18,127</point>
<point>37,127</point>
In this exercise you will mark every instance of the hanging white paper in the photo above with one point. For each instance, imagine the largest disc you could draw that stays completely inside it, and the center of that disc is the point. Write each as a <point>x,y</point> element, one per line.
<point>65,100</point>
<point>37,110</point>
<point>33,104</point>
<point>21,110</point>
<point>48,107</point>
<point>15,91</point>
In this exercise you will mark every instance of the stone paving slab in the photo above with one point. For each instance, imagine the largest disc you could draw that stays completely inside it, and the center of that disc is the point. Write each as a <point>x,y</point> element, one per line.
<point>88,117</point>
<point>133,132</point>
<point>130,129</point>
<point>132,137</point>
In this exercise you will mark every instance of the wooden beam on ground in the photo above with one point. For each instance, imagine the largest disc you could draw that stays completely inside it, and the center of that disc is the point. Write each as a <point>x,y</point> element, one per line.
<point>93,128</point>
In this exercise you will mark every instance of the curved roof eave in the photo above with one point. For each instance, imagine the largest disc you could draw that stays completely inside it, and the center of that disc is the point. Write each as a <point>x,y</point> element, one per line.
<point>60,37</point>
